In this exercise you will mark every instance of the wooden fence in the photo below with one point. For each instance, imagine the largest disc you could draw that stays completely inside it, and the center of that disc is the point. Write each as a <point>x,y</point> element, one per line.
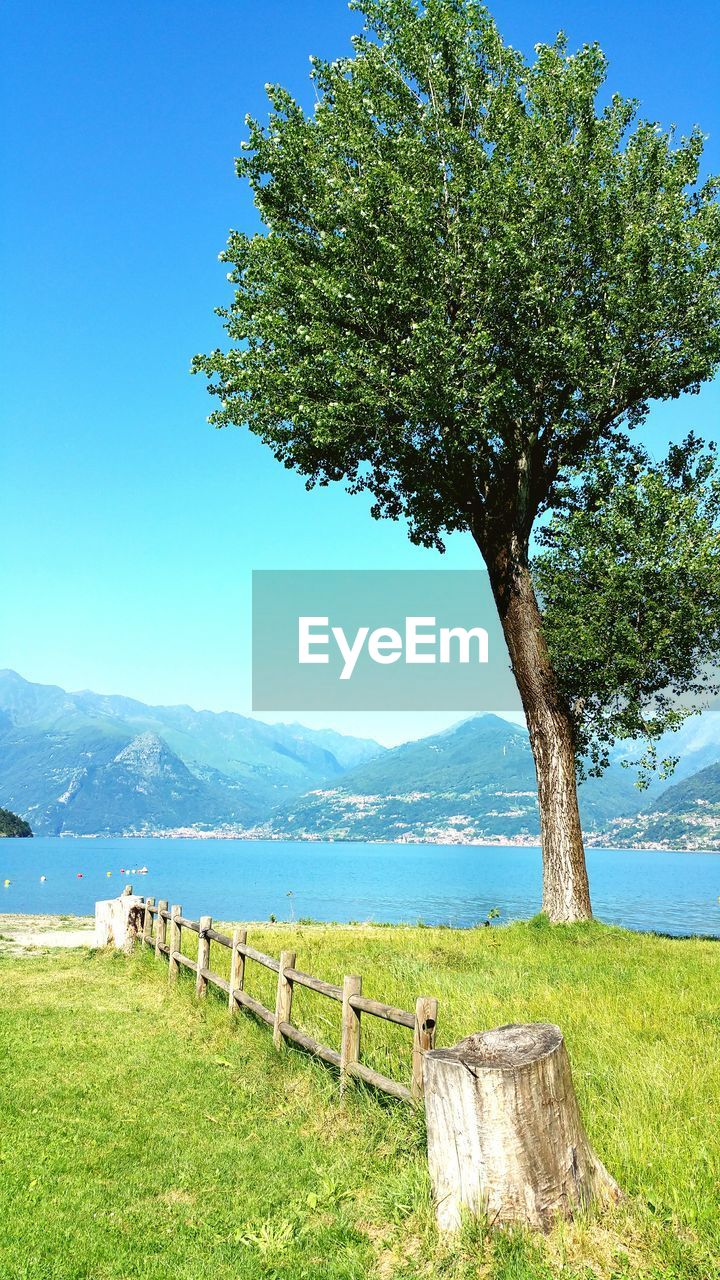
<point>421,1023</point>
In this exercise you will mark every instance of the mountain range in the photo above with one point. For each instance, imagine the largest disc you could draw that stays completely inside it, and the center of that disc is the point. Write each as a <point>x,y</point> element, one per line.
<point>475,781</point>
<point>87,764</point>
<point>91,764</point>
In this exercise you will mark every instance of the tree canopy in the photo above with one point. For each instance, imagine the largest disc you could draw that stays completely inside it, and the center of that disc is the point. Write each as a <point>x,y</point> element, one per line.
<point>473,275</point>
<point>629,583</point>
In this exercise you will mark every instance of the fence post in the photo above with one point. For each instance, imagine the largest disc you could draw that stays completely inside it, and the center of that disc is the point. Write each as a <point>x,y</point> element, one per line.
<point>283,1003</point>
<point>175,941</point>
<point>350,1044</point>
<point>147,922</point>
<point>237,965</point>
<point>426,1008</point>
<point>203,956</point>
<point>161,930</point>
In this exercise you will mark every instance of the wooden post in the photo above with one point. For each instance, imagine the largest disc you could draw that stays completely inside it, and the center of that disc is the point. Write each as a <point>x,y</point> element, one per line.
<point>350,1044</point>
<point>504,1133</point>
<point>147,922</point>
<point>175,941</point>
<point>161,930</point>
<point>203,956</point>
<point>237,965</point>
<point>426,1009</point>
<point>283,1003</point>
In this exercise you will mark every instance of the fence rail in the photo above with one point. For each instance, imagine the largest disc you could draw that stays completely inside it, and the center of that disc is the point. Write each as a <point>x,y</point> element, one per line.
<point>158,918</point>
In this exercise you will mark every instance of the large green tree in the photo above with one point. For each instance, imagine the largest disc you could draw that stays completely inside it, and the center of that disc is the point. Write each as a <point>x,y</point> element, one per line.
<point>474,278</point>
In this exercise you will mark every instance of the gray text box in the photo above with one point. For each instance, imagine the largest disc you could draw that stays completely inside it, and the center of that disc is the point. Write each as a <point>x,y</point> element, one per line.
<point>390,662</point>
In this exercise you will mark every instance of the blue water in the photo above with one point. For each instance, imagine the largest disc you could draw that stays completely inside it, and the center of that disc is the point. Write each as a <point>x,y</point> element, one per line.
<point>441,884</point>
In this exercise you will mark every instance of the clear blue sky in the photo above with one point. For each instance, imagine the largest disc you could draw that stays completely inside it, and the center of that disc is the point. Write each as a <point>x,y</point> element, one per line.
<point>130,527</point>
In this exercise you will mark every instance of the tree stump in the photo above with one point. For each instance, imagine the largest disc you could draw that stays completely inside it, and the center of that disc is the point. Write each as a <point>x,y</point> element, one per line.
<point>504,1132</point>
<point>118,921</point>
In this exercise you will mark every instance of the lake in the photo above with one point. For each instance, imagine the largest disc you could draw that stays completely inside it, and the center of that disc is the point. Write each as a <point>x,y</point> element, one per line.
<point>440,884</point>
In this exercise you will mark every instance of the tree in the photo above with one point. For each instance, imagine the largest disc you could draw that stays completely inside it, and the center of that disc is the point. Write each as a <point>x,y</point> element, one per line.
<point>474,280</point>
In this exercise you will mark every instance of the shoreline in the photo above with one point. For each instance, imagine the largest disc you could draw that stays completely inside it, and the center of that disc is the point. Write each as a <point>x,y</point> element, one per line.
<point>346,840</point>
<point>23,933</point>
<point>255,837</point>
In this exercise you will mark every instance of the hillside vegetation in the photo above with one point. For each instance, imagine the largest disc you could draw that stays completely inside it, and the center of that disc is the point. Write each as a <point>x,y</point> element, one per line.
<point>143,1136</point>
<point>12,825</point>
<point>685,816</point>
<point>475,781</point>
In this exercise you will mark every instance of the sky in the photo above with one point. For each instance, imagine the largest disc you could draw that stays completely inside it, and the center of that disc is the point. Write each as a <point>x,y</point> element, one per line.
<point>129,528</point>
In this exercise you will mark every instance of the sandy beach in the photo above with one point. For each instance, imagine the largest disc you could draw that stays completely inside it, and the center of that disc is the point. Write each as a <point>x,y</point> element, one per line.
<point>28,933</point>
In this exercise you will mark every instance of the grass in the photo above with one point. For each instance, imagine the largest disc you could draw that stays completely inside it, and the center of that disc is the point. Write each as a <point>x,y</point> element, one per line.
<point>142,1136</point>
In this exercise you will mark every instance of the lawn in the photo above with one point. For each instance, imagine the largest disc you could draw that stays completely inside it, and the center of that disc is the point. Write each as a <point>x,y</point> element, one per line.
<point>144,1135</point>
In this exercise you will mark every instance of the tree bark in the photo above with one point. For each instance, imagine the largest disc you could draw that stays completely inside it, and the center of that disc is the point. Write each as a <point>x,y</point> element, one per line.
<point>566,893</point>
<point>118,921</point>
<point>505,1137</point>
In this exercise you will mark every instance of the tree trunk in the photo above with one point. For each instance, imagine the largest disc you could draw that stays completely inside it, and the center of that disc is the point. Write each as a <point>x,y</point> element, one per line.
<point>566,894</point>
<point>504,1133</point>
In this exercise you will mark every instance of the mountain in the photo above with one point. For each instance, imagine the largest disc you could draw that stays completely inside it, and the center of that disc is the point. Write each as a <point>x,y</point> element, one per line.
<point>684,816</point>
<point>348,751</point>
<point>143,787</point>
<point>89,763</point>
<point>475,781</point>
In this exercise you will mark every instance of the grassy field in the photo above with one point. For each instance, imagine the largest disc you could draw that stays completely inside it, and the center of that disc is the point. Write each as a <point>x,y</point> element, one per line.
<point>142,1135</point>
